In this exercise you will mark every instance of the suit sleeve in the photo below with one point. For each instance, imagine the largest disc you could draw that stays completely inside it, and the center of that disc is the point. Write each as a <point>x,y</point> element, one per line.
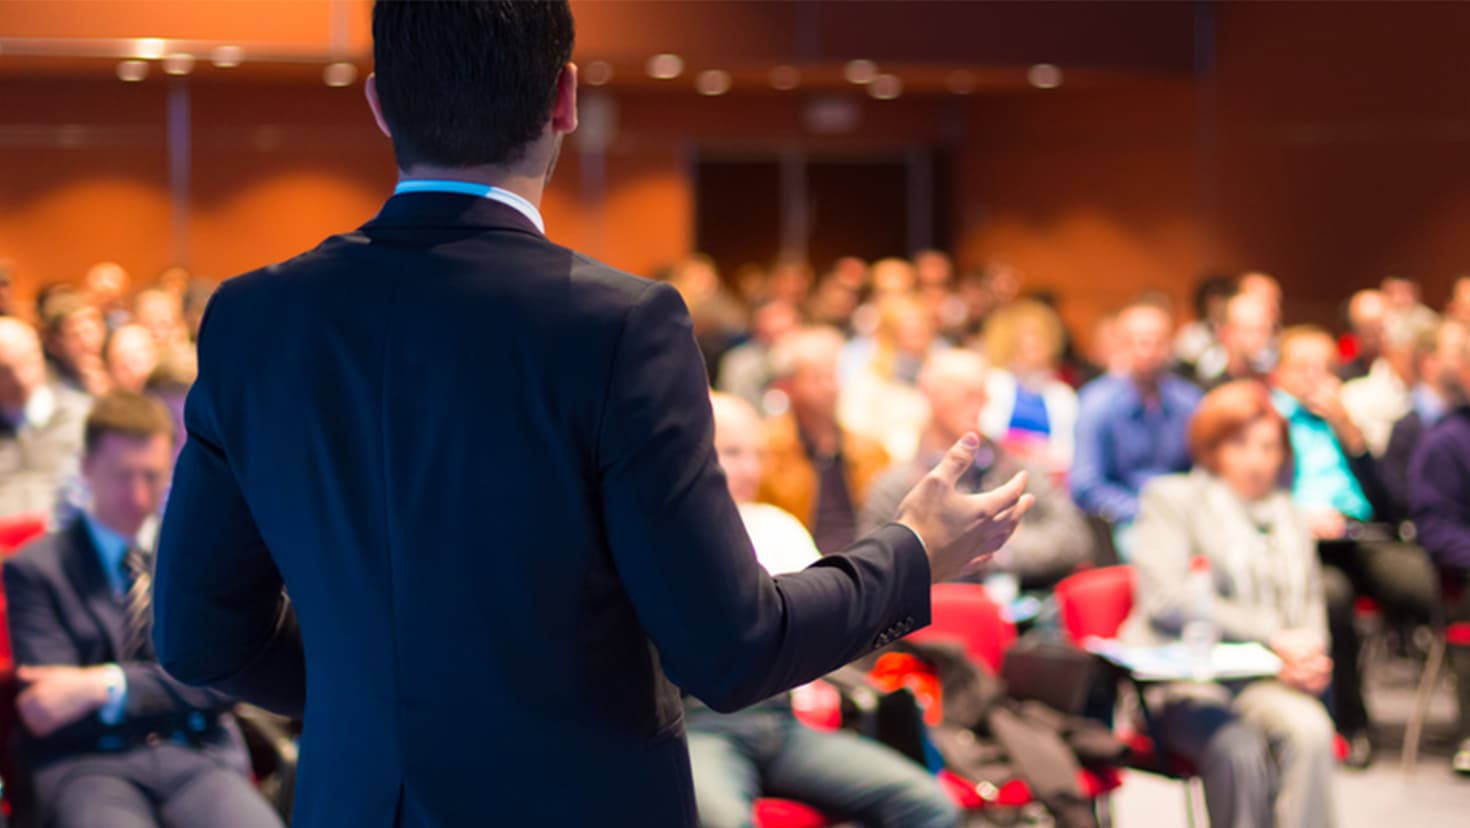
<point>726,632</point>
<point>221,618</point>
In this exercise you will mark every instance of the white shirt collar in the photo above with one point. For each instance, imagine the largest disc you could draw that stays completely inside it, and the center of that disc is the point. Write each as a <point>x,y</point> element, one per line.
<point>446,185</point>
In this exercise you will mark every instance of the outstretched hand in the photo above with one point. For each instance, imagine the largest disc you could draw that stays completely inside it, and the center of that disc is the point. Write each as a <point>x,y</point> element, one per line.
<point>961,531</point>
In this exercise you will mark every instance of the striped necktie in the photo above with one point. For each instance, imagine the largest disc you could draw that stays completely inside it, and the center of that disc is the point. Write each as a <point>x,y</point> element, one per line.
<point>139,604</point>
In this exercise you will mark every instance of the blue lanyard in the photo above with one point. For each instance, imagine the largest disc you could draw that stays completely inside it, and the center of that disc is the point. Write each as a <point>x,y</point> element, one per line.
<point>471,188</point>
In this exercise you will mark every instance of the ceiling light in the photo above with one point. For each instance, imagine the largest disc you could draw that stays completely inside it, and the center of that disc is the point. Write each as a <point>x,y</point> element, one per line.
<point>713,82</point>
<point>785,78</point>
<point>149,48</point>
<point>227,57</point>
<point>886,87</point>
<point>178,63</point>
<point>665,66</point>
<point>339,74</point>
<point>860,72</point>
<point>1044,76</point>
<point>132,71</point>
<point>597,73</point>
<point>961,82</point>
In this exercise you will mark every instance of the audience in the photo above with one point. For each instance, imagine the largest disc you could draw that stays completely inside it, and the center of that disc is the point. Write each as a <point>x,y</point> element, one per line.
<point>1366,311</point>
<point>1383,396</point>
<point>106,284</point>
<point>109,737</point>
<point>40,424</point>
<point>1439,498</point>
<point>857,407</point>
<point>1201,336</point>
<point>1437,392</point>
<point>817,471</point>
<point>74,333</point>
<point>744,370</point>
<point>132,354</point>
<point>1029,409</point>
<point>1264,748</point>
<point>1053,542</point>
<point>1132,427</point>
<point>1335,483</point>
<point>160,312</point>
<point>1244,347</point>
<point>877,397</point>
<point>763,750</point>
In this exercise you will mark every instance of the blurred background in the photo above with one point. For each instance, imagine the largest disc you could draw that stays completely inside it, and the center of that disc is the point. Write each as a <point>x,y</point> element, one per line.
<point>1099,148</point>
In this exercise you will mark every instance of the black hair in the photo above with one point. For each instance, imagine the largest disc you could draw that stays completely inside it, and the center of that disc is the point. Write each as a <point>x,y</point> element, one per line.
<point>465,84</point>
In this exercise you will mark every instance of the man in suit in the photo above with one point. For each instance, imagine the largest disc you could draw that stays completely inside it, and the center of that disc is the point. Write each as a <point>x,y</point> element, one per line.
<point>111,739</point>
<point>40,424</point>
<point>481,465</point>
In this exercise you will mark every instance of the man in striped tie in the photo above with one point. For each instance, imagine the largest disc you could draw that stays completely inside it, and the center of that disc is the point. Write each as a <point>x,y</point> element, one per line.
<point>110,738</point>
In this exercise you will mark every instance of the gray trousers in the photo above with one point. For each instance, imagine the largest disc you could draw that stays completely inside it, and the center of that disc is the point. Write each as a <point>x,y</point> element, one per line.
<point>1264,752</point>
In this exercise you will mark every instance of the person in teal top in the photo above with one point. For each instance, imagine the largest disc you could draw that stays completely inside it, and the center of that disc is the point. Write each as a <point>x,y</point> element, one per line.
<point>1322,478</point>
<point>1336,484</point>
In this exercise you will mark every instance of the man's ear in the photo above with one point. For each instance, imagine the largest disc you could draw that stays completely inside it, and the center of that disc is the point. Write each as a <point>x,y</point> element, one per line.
<point>370,89</point>
<point>564,110</point>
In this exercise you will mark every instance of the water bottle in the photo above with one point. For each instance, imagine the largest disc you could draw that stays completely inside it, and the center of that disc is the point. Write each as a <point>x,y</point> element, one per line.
<point>1200,632</point>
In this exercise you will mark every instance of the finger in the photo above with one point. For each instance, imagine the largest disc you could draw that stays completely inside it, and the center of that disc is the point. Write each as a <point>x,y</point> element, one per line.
<point>1012,514</point>
<point>1002,497</point>
<point>957,460</point>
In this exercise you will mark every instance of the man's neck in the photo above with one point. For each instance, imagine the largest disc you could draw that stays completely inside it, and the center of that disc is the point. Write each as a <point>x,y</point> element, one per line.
<point>529,187</point>
<point>119,528</point>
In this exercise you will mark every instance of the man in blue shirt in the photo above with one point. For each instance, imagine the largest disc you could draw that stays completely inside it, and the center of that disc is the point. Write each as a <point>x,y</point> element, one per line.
<point>1132,428</point>
<point>1338,487</point>
<point>110,738</point>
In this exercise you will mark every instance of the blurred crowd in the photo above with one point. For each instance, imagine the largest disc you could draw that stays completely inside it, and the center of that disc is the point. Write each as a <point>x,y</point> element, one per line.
<point>1307,468</point>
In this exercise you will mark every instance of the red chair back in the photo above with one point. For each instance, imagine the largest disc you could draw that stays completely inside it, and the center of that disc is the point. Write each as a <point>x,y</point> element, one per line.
<point>17,530</point>
<point>1095,603</point>
<point>964,612</point>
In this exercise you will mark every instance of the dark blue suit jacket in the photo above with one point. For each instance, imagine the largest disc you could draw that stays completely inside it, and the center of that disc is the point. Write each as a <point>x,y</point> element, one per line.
<point>482,467</point>
<point>61,610</point>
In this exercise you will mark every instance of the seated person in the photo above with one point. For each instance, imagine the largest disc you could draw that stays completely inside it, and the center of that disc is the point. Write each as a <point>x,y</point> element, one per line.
<point>1028,408</point>
<point>1055,540</point>
<point>1244,349</point>
<point>1434,396</point>
<point>1131,428</point>
<point>764,750</point>
<point>1264,748</point>
<point>40,424</point>
<point>1439,499</point>
<point>110,738</point>
<point>816,470</point>
<point>1338,487</point>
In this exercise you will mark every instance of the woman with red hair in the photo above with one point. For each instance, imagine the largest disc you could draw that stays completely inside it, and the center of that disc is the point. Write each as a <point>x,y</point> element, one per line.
<point>1263,747</point>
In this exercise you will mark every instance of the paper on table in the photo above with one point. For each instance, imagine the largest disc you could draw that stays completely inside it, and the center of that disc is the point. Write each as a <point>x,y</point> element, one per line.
<point>1172,662</point>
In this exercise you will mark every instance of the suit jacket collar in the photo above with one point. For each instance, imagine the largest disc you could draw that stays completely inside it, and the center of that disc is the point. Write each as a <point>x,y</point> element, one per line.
<point>449,210</point>
<point>83,568</point>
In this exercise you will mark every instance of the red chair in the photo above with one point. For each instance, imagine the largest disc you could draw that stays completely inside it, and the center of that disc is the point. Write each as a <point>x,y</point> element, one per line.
<point>1094,604</point>
<point>965,613</point>
<point>17,530</point>
<point>1446,634</point>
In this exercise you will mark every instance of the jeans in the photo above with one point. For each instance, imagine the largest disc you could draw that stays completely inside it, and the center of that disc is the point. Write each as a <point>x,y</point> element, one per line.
<point>765,751</point>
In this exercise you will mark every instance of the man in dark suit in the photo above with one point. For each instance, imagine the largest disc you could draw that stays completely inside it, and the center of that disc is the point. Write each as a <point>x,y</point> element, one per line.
<point>111,739</point>
<point>482,467</point>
